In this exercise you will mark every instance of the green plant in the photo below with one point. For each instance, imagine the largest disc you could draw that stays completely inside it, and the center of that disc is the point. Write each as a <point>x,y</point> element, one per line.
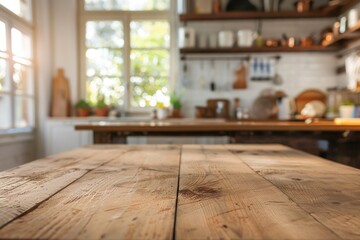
<point>101,104</point>
<point>82,104</point>
<point>348,103</point>
<point>175,101</point>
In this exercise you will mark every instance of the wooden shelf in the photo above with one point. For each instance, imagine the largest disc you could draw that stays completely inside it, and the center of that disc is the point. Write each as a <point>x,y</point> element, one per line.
<point>255,15</point>
<point>256,50</point>
<point>329,11</point>
<point>351,34</point>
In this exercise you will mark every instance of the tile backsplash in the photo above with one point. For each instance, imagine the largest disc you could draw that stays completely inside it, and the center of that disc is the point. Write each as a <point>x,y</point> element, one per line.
<point>299,71</point>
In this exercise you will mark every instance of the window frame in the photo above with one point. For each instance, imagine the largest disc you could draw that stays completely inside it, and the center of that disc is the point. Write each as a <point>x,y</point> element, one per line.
<point>26,27</point>
<point>126,17</point>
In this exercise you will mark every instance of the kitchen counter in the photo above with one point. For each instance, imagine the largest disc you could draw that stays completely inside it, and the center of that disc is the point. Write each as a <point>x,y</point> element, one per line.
<point>117,131</point>
<point>180,192</point>
<point>193,125</point>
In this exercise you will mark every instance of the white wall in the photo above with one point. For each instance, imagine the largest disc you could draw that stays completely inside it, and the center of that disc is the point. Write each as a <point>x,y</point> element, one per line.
<point>57,47</point>
<point>16,150</point>
<point>298,70</point>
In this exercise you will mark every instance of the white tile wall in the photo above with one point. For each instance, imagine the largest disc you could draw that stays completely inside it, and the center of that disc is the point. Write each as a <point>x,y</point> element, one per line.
<point>299,71</point>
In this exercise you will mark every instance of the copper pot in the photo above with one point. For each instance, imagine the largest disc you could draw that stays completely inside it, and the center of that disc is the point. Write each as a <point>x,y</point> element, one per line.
<point>272,42</point>
<point>304,6</point>
<point>307,42</point>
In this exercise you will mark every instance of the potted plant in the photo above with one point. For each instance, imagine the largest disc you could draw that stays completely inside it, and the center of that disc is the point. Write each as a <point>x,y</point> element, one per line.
<point>82,108</point>
<point>347,109</point>
<point>175,101</point>
<point>102,109</point>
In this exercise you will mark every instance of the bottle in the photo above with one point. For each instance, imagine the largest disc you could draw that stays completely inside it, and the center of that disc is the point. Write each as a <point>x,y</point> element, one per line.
<point>216,6</point>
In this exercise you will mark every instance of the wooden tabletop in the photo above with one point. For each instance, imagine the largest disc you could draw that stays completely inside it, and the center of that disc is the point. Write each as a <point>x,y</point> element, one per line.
<point>215,125</point>
<point>180,192</point>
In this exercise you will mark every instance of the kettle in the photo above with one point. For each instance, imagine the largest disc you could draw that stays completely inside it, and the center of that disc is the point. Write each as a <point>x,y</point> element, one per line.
<point>240,5</point>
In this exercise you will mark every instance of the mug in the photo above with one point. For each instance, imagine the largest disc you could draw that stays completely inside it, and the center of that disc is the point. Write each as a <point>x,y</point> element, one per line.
<point>353,18</point>
<point>226,39</point>
<point>186,37</point>
<point>246,38</point>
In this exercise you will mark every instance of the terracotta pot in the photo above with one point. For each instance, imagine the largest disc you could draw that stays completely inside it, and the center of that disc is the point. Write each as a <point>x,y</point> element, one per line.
<point>102,112</point>
<point>82,112</point>
<point>176,113</point>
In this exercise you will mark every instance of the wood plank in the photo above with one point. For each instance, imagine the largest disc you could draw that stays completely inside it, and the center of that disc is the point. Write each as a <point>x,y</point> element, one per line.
<point>246,15</point>
<point>26,186</point>
<point>131,197</point>
<point>329,191</point>
<point>220,197</point>
<point>215,125</point>
<point>265,49</point>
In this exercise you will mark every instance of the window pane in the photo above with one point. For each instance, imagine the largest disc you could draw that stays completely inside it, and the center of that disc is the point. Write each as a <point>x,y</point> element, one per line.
<point>132,5</point>
<point>24,109</point>
<point>5,111</point>
<point>104,62</point>
<point>23,79</point>
<point>21,8</point>
<point>112,89</point>
<point>103,34</point>
<point>150,34</point>
<point>2,37</point>
<point>148,92</point>
<point>20,43</point>
<point>150,63</point>
<point>4,84</point>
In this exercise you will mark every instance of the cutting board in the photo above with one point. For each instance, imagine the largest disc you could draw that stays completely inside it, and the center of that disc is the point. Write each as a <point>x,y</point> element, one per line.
<point>347,121</point>
<point>307,96</point>
<point>61,104</point>
<point>240,81</point>
<point>213,103</point>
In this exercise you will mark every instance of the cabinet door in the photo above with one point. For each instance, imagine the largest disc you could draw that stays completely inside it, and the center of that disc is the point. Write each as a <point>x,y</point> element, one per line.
<point>63,137</point>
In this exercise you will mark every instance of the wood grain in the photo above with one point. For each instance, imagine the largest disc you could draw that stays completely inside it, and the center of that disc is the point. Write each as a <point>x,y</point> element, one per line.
<point>132,196</point>
<point>206,192</point>
<point>220,197</point>
<point>28,185</point>
<point>329,191</point>
<point>215,125</point>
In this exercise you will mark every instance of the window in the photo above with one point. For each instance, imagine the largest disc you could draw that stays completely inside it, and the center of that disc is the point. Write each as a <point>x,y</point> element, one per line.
<point>126,49</point>
<point>16,65</point>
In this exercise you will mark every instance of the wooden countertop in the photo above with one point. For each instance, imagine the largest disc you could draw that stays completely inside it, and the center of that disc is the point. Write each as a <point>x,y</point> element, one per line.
<point>180,192</point>
<point>216,125</point>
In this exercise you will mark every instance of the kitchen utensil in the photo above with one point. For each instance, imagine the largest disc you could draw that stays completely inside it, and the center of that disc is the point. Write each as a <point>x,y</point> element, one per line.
<point>246,38</point>
<point>185,81</point>
<point>336,28</point>
<point>268,5</point>
<point>220,106</point>
<point>304,5</point>
<point>353,18</point>
<point>343,24</point>
<point>187,37</point>
<point>277,79</point>
<point>226,39</point>
<point>202,81</point>
<point>203,6</point>
<point>307,96</point>
<point>264,107</point>
<point>307,41</point>
<point>240,5</point>
<point>314,109</point>
<point>61,104</point>
<point>204,112</point>
<point>272,42</point>
<point>212,83</point>
<point>240,81</point>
